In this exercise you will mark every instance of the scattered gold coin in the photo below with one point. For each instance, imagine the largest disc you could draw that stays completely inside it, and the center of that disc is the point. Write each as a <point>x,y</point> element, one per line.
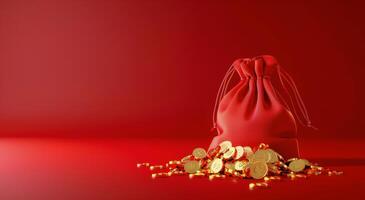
<point>258,170</point>
<point>224,146</point>
<point>199,153</point>
<point>239,152</point>
<point>261,155</point>
<point>216,166</point>
<point>240,165</point>
<point>273,156</point>
<point>239,162</point>
<point>297,165</point>
<point>192,166</point>
<point>230,152</point>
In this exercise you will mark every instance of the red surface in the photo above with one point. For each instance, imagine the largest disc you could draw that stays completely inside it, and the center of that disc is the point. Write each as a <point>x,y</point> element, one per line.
<point>37,169</point>
<point>145,74</point>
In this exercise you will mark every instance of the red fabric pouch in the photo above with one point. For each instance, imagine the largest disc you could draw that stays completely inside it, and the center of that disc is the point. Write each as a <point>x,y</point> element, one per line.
<point>256,110</point>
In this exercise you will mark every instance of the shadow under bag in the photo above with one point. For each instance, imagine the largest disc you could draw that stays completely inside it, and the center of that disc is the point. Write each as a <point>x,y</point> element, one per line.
<point>256,110</point>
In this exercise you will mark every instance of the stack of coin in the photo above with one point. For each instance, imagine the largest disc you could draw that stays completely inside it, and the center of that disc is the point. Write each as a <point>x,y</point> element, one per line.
<point>239,162</point>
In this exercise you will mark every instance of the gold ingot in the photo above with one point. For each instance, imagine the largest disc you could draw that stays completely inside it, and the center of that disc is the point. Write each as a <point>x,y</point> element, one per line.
<point>275,178</point>
<point>197,174</point>
<point>252,186</point>
<point>173,164</point>
<point>239,152</point>
<point>199,153</point>
<point>160,175</point>
<point>179,173</point>
<point>225,145</point>
<point>156,167</point>
<point>191,166</point>
<point>297,165</point>
<point>271,178</point>
<point>229,153</point>
<point>216,166</point>
<point>258,170</point>
<point>262,184</point>
<point>300,176</point>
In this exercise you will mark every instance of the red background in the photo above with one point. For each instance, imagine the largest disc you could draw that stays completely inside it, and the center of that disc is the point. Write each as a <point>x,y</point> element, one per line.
<point>136,81</point>
<point>143,68</point>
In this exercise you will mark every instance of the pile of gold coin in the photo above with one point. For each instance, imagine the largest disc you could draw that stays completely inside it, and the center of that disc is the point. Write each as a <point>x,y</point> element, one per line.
<point>261,164</point>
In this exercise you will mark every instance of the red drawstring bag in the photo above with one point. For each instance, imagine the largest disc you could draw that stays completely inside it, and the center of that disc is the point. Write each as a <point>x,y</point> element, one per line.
<point>255,110</point>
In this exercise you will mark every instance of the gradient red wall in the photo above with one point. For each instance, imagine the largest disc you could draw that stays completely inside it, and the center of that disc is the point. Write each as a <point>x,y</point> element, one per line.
<point>152,68</point>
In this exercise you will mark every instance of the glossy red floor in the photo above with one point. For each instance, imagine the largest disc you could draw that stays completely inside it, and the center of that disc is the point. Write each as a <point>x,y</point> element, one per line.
<point>35,168</point>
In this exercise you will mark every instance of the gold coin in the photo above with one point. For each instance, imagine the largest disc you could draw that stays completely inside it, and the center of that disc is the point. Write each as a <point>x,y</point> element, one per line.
<point>240,165</point>
<point>229,165</point>
<point>291,159</point>
<point>216,166</point>
<point>192,166</point>
<point>229,153</point>
<point>239,152</point>
<point>258,170</point>
<point>199,153</point>
<point>224,146</point>
<point>297,165</point>
<point>307,163</point>
<point>247,151</point>
<point>260,155</point>
<point>273,156</point>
